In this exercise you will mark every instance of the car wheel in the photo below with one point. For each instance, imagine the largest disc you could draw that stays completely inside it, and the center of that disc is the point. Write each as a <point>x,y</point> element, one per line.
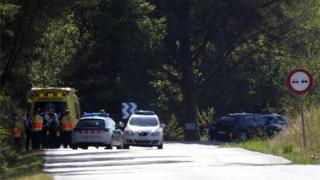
<point>243,136</point>
<point>108,146</point>
<point>121,146</point>
<point>75,147</point>
<point>160,146</point>
<point>84,147</point>
<point>126,146</point>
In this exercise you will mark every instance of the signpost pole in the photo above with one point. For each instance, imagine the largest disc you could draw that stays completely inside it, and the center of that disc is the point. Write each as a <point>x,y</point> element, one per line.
<point>301,102</point>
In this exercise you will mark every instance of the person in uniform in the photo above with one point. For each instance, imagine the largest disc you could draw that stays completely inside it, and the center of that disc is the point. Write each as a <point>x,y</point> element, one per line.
<point>37,126</point>
<point>44,136</point>
<point>67,125</point>
<point>53,124</point>
<point>27,124</point>
<point>17,133</point>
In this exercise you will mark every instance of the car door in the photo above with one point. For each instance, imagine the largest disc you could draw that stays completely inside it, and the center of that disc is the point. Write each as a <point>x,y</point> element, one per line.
<point>250,125</point>
<point>261,125</point>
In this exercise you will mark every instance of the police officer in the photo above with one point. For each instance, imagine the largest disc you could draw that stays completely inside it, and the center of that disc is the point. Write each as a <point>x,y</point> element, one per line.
<point>67,125</point>
<point>27,124</point>
<point>16,133</point>
<point>37,125</point>
<point>53,124</point>
<point>44,136</point>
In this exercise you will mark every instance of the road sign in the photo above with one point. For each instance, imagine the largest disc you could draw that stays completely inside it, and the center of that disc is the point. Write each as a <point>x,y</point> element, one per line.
<point>299,81</point>
<point>127,109</point>
<point>190,126</point>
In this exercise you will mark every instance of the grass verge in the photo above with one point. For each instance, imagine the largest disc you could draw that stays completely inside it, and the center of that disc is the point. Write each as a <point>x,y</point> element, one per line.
<point>286,150</point>
<point>26,166</point>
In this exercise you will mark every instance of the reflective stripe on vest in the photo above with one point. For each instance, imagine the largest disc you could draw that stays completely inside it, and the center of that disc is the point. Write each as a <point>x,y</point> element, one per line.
<point>37,125</point>
<point>16,132</point>
<point>67,125</point>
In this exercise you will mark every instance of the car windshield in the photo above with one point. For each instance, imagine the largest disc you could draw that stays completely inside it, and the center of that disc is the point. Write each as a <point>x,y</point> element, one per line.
<point>143,121</point>
<point>227,119</point>
<point>91,123</point>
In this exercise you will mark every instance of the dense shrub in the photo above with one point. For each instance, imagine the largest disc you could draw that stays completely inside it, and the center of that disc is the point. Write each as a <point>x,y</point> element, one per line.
<point>9,112</point>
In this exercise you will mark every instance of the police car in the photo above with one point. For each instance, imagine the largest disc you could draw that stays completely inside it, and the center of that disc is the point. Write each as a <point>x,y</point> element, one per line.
<point>96,129</point>
<point>143,129</point>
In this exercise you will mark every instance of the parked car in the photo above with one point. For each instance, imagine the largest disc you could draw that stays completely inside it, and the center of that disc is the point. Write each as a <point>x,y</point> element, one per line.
<point>238,127</point>
<point>96,129</point>
<point>276,123</point>
<point>143,129</point>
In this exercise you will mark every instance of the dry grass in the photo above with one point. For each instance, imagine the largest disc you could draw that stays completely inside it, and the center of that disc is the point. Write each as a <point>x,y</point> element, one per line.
<point>38,176</point>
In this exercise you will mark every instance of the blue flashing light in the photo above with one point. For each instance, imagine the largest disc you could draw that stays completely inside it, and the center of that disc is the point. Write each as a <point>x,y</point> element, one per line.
<point>144,112</point>
<point>86,114</point>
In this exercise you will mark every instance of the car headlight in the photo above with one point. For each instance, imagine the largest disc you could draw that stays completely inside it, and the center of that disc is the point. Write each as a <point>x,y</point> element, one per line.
<point>157,133</point>
<point>128,132</point>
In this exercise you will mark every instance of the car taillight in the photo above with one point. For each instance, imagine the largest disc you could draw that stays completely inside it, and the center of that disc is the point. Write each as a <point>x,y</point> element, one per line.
<point>83,131</point>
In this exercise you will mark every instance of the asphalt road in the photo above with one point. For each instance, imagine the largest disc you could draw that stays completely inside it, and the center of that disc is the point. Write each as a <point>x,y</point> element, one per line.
<point>187,161</point>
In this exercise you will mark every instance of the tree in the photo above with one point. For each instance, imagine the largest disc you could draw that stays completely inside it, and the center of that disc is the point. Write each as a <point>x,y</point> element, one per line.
<point>210,44</point>
<point>53,52</point>
<point>119,42</point>
<point>24,23</point>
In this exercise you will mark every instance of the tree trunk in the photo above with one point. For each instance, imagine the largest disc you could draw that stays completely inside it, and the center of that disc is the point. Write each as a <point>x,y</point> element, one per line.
<point>188,82</point>
<point>190,103</point>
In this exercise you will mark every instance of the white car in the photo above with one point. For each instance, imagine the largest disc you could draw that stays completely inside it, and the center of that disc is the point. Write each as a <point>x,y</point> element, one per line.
<point>143,129</point>
<point>96,129</point>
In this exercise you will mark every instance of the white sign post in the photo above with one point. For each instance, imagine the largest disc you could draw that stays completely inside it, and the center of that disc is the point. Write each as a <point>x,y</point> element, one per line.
<point>299,82</point>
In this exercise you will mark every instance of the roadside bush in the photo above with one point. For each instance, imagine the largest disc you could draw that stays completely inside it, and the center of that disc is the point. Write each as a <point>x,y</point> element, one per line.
<point>9,112</point>
<point>3,146</point>
<point>287,148</point>
<point>173,131</point>
<point>204,118</point>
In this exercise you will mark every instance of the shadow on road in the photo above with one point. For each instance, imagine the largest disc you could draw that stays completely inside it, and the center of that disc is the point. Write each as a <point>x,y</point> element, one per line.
<point>209,143</point>
<point>79,153</point>
<point>117,164</point>
<point>66,160</point>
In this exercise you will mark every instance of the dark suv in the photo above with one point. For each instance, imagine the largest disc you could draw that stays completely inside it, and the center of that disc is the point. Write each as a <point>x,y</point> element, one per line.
<point>238,127</point>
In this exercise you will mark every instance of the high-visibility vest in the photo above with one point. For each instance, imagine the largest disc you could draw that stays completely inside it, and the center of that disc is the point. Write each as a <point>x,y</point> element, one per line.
<point>16,132</point>
<point>67,123</point>
<point>37,123</point>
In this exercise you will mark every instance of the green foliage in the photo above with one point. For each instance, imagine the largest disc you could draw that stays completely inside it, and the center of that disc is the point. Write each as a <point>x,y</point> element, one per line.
<point>116,54</point>
<point>204,118</point>
<point>287,148</point>
<point>53,52</point>
<point>8,12</point>
<point>173,56</point>
<point>3,139</point>
<point>8,153</point>
<point>173,131</point>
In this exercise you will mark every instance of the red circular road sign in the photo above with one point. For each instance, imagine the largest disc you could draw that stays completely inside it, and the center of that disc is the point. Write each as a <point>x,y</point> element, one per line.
<point>299,81</point>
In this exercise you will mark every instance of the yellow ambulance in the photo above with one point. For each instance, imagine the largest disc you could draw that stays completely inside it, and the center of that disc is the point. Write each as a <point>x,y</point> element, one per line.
<point>57,100</point>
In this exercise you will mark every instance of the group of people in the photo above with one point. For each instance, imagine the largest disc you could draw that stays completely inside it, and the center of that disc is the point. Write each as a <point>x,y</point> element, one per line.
<point>45,129</point>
